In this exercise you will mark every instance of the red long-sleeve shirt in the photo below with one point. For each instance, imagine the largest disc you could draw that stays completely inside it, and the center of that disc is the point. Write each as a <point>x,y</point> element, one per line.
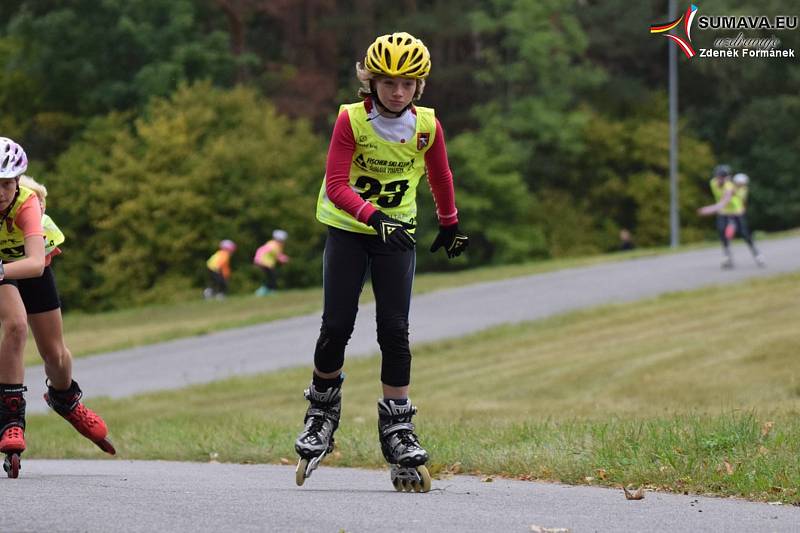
<point>340,158</point>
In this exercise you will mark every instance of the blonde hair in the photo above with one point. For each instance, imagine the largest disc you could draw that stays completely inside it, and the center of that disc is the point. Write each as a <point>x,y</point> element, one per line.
<point>365,77</point>
<point>35,186</point>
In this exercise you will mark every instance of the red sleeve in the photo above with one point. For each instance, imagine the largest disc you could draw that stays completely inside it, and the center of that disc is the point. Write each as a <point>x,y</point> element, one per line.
<point>440,179</point>
<point>29,217</point>
<point>337,171</point>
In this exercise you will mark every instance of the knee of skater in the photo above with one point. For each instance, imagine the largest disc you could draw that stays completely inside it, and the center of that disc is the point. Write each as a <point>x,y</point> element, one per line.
<point>393,331</point>
<point>15,330</point>
<point>333,333</point>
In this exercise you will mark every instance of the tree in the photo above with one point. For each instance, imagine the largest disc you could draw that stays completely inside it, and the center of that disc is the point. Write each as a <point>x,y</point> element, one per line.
<point>158,195</point>
<point>83,58</point>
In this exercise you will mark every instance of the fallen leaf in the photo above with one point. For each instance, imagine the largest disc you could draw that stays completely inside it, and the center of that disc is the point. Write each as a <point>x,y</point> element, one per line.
<point>488,479</point>
<point>601,473</point>
<point>766,428</point>
<point>454,468</point>
<point>728,468</point>
<point>638,494</point>
<point>212,457</point>
<point>285,461</point>
<point>588,479</point>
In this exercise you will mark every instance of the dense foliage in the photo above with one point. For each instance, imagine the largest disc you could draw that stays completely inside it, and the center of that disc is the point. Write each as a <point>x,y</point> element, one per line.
<point>162,126</point>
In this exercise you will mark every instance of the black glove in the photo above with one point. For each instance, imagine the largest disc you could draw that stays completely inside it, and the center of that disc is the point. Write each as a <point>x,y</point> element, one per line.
<point>392,231</point>
<point>453,241</point>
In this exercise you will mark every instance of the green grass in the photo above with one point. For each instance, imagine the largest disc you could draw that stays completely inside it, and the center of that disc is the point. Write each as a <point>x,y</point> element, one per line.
<point>694,391</point>
<point>151,324</point>
<point>146,325</point>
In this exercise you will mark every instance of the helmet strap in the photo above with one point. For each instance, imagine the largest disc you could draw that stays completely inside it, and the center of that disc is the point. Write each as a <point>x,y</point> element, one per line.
<point>10,206</point>
<point>374,92</point>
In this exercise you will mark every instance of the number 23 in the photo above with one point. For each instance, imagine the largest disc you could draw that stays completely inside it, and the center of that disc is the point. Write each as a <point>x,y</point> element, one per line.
<point>372,187</point>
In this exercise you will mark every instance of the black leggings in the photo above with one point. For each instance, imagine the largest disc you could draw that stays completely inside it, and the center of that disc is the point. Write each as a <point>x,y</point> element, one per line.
<point>348,258</point>
<point>270,279</point>
<point>217,282</point>
<point>740,223</point>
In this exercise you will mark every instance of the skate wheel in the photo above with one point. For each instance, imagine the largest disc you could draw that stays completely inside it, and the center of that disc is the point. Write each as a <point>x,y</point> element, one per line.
<point>11,465</point>
<point>425,476</point>
<point>300,472</point>
<point>106,446</point>
<point>398,484</point>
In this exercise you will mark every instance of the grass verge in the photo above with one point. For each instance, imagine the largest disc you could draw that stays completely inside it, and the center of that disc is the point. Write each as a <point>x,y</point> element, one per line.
<point>694,391</point>
<point>147,325</point>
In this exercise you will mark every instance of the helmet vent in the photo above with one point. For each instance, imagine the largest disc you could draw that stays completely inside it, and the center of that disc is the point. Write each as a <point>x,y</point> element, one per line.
<point>402,61</point>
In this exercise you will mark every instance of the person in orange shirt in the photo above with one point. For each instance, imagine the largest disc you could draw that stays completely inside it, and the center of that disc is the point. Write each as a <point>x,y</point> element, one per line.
<point>219,270</point>
<point>267,258</point>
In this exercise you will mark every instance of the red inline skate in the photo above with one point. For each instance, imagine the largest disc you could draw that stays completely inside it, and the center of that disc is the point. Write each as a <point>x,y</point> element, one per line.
<point>12,422</point>
<point>88,423</point>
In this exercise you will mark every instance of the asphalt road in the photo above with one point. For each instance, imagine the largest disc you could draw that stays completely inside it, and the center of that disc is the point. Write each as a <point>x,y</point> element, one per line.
<point>120,495</point>
<point>444,314</point>
<point>133,496</point>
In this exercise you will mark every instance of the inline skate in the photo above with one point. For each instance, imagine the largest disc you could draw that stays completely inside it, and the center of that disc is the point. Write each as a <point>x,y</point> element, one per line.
<point>88,423</point>
<point>321,421</point>
<point>401,447</point>
<point>12,424</point>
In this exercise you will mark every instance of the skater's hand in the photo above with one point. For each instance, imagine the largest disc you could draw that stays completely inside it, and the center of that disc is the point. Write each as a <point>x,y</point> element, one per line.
<point>451,239</point>
<point>392,231</point>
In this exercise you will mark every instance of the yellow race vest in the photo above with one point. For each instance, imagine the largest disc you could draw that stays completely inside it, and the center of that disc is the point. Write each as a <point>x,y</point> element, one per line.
<point>741,195</point>
<point>735,206</point>
<point>52,235</point>
<point>384,173</point>
<point>12,240</point>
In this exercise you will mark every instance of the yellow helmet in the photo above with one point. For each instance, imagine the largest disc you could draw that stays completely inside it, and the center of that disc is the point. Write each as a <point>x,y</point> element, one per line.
<point>398,54</point>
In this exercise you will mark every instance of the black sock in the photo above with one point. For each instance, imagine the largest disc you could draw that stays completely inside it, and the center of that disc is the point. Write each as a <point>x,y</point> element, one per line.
<point>323,384</point>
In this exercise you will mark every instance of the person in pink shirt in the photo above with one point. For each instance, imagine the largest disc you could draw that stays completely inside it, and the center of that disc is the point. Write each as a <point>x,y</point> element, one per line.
<point>28,294</point>
<point>267,258</point>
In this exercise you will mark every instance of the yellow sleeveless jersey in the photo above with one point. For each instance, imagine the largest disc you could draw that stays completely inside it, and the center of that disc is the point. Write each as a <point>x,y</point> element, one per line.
<point>735,205</point>
<point>219,261</point>
<point>52,235</point>
<point>382,172</point>
<point>12,240</point>
<point>741,195</point>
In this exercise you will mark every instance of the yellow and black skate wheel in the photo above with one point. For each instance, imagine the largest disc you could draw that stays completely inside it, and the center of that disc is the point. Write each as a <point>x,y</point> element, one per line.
<point>300,472</point>
<point>398,484</point>
<point>425,476</point>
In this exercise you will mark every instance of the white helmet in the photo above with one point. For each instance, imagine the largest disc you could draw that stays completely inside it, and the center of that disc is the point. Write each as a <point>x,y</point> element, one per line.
<point>227,244</point>
<point>280,235</point>
<point>741,179</point>
<point>13,161</point>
